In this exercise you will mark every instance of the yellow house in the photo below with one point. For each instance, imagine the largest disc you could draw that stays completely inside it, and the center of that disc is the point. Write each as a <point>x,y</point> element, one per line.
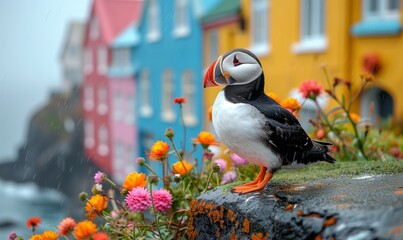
<point>223,29</point>
<point>294,39</point>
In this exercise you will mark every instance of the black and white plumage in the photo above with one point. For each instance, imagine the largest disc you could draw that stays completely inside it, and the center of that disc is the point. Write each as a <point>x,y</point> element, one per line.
<point>253,125</point>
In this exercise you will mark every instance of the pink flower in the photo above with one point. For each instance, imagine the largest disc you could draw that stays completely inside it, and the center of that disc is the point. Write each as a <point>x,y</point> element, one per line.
<point>12,236</point>
<point>115,213</point>
<point>66,226</point>
<point>310,89</point>
<point>162,200</point>
<point>237,160</point>
<point>222,163</point>
<point>98,177</point>
<point>138,199</point>
<point>228,177</point>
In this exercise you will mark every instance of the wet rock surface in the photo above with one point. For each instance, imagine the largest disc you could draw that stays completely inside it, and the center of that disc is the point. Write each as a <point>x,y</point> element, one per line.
<point>367,207</point>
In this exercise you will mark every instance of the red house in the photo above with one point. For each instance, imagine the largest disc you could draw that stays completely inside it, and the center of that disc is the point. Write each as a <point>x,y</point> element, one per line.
<point>107,20</point>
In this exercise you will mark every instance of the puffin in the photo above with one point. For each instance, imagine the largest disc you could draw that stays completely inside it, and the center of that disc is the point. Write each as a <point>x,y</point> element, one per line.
<point>253,125</point>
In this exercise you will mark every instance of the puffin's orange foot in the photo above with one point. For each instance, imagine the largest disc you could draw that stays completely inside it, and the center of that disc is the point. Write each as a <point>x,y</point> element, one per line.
<point>253,186</point>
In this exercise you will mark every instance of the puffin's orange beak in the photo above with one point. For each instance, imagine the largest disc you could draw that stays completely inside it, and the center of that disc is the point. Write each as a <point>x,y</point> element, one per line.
<point>214,76</point>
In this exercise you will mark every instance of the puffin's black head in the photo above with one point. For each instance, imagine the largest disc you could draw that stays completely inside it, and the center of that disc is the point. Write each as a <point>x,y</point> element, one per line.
<point>235,67</point>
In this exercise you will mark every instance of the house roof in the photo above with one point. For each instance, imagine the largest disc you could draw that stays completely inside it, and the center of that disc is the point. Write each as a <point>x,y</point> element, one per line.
<point>115,16</point>
<point>223,9</point>
<point>127,38</point>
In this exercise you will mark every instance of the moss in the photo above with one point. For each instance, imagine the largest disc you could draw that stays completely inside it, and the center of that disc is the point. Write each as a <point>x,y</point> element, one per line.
<point>339,169</point>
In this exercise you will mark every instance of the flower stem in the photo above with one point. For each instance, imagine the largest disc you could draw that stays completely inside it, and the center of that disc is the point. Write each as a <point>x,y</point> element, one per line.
<point>208,180</point>
<point>184,128</point>
<point>155,212</point>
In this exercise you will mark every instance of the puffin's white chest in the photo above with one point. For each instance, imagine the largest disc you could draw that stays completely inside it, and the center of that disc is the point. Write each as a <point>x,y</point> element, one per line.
<point>240,127</point>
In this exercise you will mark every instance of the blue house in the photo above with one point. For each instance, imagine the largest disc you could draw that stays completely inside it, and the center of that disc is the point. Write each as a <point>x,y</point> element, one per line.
<point>168,64</point>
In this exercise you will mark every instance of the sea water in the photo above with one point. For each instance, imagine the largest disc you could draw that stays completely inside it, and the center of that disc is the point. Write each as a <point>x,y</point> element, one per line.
<point>18,202</point>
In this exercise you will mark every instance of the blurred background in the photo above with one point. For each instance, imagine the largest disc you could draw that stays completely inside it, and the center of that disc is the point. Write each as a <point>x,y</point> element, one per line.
<point>88,85</point>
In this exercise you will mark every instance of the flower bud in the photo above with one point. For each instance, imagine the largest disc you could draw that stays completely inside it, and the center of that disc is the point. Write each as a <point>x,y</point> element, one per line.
<point>177,178</point>
<point>216,167</point>
<point>124,191</point>
<point>169,133</point>
<point>140,161</point>
<point>153,179</point>
<point>83,196</point>
<point>97,188</point>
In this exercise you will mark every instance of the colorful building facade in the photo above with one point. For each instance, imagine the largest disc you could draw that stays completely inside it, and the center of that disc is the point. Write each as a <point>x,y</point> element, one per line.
<point>295,40</point>
<point>168,64</point>
<point>107,20</point>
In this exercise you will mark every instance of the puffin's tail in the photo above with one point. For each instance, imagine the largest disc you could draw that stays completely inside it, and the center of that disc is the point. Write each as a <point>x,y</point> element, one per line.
<point>320,149</point>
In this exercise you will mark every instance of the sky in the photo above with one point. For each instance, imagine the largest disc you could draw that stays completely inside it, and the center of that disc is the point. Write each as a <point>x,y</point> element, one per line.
<point>31,38</point>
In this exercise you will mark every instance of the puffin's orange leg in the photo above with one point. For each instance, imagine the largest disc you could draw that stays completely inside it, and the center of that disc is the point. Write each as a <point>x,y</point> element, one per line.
<point>254,188</point>
<point>258,179</point>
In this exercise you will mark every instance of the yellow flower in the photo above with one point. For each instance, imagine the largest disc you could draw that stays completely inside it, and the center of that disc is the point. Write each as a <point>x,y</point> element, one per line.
<point>95,205</point>
<point>182,167</point>
<point>159,151</point>
<point>355,117</point>
<point>133,180</point>
<point>205,139</point>
<point>290,103</point>
<point>274,96</point>
<point>84,230</point>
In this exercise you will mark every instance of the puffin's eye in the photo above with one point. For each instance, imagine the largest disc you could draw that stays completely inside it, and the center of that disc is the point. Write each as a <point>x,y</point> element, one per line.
<point>236,61</point>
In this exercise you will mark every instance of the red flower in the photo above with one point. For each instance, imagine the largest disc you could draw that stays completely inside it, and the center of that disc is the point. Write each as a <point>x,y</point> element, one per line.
<point>33,222</point>
<point>180,100</point>
<point>310,89</point>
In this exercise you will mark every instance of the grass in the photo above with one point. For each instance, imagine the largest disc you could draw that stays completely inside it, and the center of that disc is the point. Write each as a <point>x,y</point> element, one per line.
<point>339,169</point>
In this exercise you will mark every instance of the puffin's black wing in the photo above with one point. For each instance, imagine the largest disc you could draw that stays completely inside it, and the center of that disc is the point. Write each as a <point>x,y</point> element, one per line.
<point>286,136</point>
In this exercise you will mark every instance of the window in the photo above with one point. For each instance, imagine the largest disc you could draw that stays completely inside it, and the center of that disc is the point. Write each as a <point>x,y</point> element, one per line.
<point>89,140</point>
<point>130,109</point>
<point>260,26</point>
<point>94,28</point>
<point>88,60</point>
<point>117,105</point>
<point>182,27</point>
<point>188,91</point>
<point>102,60</point>
<point>379,17</point>
<point>88,97</point>
<point>168,113</point>
<point>102,108</point>
<point>145,106</point>
<point>381,9</point>
<point>153,21</point>
<point>121,57</point>
<point>312,28</point>
<point>103,149</point>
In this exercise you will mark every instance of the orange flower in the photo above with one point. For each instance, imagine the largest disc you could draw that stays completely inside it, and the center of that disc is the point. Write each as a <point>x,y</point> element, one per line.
<point>49,235</point>
<point>290,103</point>
<point>133,180</point>
<point>84,230</point>
<point>274,96</point>
<point>210,113</point>
<point>33,222</point>
<point>95,205</point>
<point>100,236</point>
<point>182,167</point>
<point>159,151</point>
<point>205,139</point>
<point>36,237</point>
<point>355,117</point>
